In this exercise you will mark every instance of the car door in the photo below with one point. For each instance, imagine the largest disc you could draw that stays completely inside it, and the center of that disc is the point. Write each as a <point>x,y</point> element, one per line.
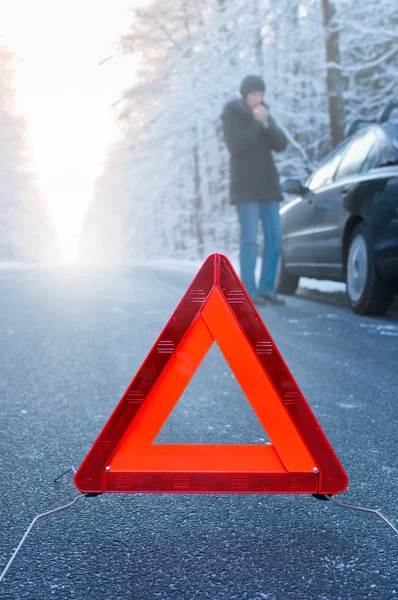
<point>299,217</point>
<point>298,233</point>
<point>330,208</point>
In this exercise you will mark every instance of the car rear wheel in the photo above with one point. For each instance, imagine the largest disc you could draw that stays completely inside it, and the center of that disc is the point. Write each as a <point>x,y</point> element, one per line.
<point>367,293</point>
<point>285,283</point>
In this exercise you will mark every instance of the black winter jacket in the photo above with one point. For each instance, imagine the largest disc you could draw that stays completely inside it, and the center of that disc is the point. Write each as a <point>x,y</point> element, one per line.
<point>253,175</point>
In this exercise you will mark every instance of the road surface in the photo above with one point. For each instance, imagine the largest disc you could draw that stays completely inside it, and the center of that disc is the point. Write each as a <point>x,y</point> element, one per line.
<point>72,339</point>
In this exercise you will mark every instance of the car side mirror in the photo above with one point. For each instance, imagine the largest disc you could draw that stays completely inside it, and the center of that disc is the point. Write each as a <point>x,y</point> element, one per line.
<point>294,186</point>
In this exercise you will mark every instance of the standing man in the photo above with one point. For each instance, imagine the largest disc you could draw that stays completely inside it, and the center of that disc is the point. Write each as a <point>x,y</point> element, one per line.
<point>251,135</point>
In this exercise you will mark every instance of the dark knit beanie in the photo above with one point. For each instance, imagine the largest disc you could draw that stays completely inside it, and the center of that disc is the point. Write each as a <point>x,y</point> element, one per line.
<point>251,83</point>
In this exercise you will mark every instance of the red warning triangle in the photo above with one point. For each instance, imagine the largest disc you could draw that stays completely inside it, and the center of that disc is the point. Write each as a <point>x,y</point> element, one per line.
<point>215,308</point>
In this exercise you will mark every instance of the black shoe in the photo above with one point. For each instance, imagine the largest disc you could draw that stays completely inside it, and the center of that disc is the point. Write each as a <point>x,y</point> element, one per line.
<point>258,299</point>
<point>273,299</point>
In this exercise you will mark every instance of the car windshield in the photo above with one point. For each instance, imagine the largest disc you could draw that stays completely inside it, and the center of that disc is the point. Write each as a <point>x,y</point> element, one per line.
<point>324,173</point>
<point>361,155</point>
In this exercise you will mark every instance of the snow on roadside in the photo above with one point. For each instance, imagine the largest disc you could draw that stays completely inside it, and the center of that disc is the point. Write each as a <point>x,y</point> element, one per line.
<point>331,287</point>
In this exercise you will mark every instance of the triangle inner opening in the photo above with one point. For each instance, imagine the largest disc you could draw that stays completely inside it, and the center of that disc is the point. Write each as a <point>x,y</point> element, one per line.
<point>213,409</point>
<point>137,450</point>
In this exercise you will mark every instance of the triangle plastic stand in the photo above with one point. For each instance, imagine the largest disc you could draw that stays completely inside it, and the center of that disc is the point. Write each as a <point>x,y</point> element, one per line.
<point>299,458</point>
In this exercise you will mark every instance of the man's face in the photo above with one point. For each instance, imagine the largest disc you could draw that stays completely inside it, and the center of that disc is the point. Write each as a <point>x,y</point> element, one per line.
<point>254,99</point>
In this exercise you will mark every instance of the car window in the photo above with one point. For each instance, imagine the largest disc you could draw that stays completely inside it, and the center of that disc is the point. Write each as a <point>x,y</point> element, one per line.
<point>372,158</point>
<point>324,174</point>
<point>389,145</point>
<point>361,155</point>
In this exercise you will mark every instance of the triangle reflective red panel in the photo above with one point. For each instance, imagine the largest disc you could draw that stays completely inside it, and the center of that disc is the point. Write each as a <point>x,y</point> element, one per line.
<point>299,459</point>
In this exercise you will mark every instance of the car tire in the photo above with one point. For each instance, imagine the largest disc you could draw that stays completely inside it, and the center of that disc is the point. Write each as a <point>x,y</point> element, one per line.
<point>367,293</point>
<point>285,283</point>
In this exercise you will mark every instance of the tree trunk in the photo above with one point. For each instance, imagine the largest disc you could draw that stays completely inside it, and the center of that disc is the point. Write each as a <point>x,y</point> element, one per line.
<point>334,79</point>
<point>258,42</point>
<point>197,203</point>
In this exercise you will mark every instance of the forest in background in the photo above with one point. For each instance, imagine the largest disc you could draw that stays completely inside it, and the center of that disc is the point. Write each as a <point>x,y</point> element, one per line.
<point>164,191</point>
<point>164,187</point>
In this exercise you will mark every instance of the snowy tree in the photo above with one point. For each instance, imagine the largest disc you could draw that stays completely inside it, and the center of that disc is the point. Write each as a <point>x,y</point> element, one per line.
<point>334,77</point>
<point>369,55</point>
<point>322,67</point>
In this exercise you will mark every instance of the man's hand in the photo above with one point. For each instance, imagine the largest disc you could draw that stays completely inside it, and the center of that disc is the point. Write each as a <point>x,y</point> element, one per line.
<point>261,114</point>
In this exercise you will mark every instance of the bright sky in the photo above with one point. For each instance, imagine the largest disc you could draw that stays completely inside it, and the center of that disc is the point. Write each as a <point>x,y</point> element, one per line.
<point>65,96</point>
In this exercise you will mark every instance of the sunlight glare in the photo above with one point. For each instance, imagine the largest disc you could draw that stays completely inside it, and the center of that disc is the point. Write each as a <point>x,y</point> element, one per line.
<point>66,98</point>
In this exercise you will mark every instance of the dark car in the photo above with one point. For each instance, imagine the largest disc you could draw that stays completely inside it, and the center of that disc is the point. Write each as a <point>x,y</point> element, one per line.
<point>343,226</point>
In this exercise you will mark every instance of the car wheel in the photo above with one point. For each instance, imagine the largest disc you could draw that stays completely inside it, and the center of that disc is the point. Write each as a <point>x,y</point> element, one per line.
<point>285,283</point>
<point>367,293</point>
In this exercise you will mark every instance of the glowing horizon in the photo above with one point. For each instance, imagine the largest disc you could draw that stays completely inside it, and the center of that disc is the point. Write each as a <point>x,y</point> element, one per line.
<point>65,98</point>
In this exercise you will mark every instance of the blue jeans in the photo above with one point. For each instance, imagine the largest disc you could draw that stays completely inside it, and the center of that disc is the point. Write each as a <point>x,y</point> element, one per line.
<point>250,215</point>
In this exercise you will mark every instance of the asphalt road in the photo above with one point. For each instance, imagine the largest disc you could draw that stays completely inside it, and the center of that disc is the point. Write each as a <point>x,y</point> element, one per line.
<point>72,340</point>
